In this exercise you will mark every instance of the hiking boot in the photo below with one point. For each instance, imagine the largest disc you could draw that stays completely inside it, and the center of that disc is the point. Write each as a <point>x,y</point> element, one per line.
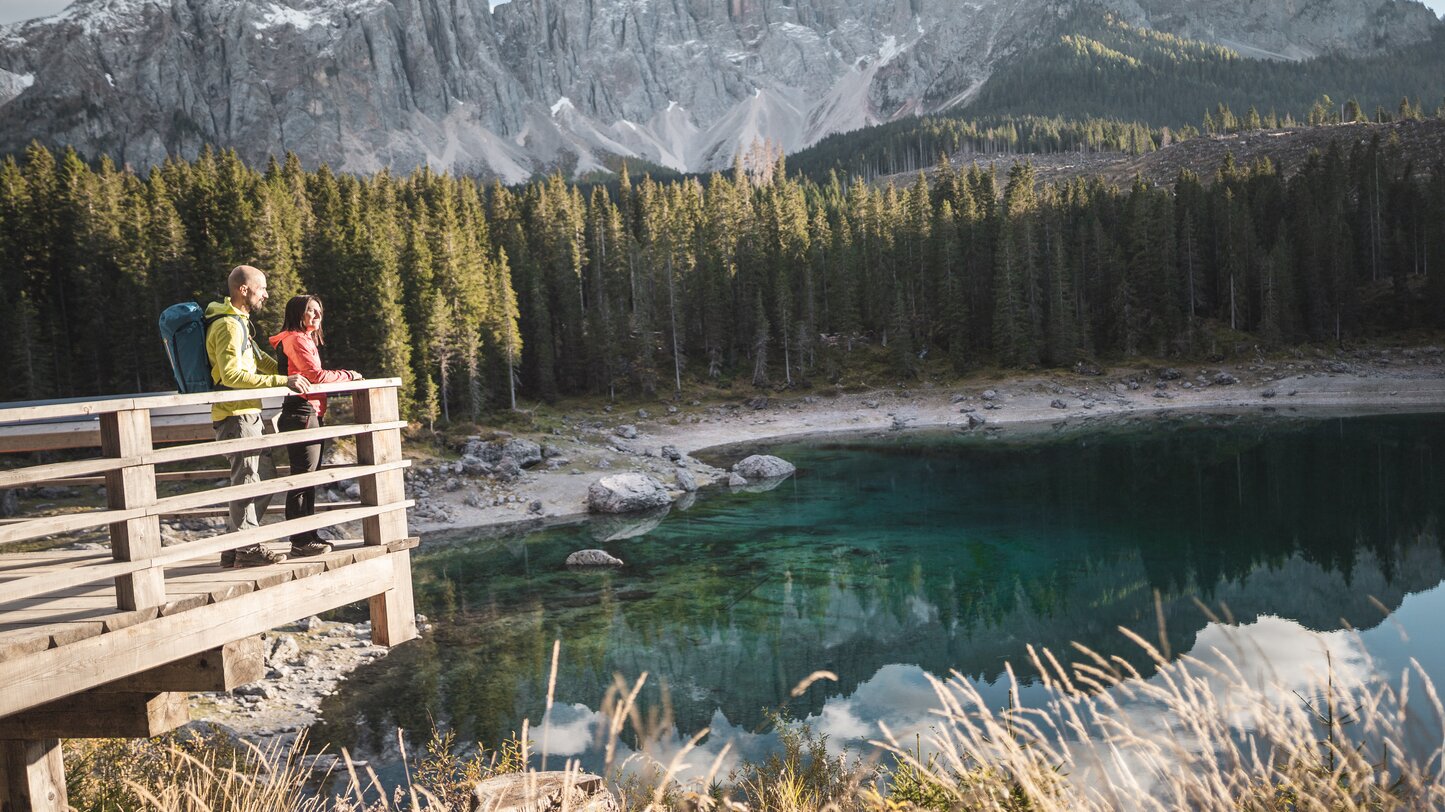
<point>228,559</point>
<point>257,556</point>
<point>305,548</point>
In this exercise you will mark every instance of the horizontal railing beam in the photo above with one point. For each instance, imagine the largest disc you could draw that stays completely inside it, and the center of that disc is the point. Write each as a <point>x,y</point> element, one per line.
<point>242,445</point>
<point>35,474</point>
<point>29,587</point>
<point>52,525</point>
<point>161,476</point>
<point>83,407</point>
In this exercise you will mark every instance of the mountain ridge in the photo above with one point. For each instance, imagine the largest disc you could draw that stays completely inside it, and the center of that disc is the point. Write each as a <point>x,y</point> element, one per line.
<point>530,87</point>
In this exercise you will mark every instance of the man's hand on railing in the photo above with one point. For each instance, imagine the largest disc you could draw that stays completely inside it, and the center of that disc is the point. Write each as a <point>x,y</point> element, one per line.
<point>298,384</point>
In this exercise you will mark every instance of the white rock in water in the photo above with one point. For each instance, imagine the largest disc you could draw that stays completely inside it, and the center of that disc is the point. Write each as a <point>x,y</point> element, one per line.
<point>593,558</point>
<point>763,466</point>
<point>736,480</point>
<point>624,493</point>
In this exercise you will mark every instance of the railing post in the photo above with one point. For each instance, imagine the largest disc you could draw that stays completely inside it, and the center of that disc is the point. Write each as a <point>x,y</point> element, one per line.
<point>393,616</point>
<point>32,776</point>
<point>128,434</point>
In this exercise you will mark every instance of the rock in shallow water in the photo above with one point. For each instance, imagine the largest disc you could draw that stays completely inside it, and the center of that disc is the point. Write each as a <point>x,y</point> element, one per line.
<point>624,493</point>
<point>593,558</point>
<point>763,466</point>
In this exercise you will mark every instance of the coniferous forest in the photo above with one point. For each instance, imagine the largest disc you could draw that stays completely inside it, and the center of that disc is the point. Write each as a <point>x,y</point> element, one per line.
<point>480,296</point>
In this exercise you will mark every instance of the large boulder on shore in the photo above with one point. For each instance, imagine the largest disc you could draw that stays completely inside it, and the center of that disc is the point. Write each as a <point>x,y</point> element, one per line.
<point>763,466</point>
<point>523,452</point>
<point>626,493</point>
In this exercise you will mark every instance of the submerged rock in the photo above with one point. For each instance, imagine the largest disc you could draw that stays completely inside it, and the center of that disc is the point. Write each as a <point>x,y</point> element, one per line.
<point>593,558</point>
<point>626,493</point>
<point>763,466</point>
<point>736,480</point>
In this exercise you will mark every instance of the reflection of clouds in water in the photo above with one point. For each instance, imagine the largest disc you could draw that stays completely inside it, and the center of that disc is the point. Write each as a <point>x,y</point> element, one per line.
<point>900,696</point>
<point>1279,657</point>
<point>570,730</point>
<point>1276,658</point>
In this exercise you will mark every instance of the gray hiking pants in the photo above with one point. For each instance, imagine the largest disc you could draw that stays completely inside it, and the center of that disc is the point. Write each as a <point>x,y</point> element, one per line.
<point>247,468</point>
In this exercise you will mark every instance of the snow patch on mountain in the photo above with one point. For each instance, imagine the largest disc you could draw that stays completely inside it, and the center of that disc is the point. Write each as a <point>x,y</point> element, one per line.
<point>13,84</point>
<point>277,16</point>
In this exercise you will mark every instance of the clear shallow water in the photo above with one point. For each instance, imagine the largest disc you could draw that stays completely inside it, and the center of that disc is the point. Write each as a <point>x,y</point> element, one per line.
<point>889,558</point>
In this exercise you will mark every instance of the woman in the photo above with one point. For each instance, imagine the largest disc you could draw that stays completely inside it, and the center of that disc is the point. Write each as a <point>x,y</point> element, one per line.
<point>297,354</point>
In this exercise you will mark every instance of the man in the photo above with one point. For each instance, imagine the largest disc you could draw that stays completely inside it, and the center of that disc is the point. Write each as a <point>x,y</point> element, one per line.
<point>236,363</point>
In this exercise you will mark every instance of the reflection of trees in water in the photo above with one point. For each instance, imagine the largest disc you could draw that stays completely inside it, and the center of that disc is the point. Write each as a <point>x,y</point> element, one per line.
<point>732,602</point>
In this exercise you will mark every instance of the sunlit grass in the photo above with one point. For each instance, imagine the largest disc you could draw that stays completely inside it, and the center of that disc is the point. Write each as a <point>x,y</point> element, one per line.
<point>1196,734</point>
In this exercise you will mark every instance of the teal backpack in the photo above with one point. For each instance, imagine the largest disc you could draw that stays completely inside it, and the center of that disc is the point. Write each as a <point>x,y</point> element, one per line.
<point>183,331</point>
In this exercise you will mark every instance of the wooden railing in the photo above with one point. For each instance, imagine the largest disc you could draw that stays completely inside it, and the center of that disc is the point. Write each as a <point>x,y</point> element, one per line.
<point>73,666</point>
<point>121,429</point>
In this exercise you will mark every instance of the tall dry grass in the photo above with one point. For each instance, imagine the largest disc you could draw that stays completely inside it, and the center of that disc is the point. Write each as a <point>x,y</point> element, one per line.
<point>1195,734</point>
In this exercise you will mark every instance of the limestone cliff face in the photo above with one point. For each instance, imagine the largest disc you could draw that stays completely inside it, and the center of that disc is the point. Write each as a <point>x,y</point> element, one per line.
<point>539,84</point>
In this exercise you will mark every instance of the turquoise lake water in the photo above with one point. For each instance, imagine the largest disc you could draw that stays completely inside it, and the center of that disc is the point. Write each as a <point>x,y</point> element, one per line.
<point>891,557</point>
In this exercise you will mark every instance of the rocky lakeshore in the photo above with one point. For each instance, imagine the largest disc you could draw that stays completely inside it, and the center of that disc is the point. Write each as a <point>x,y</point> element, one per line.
<point>659,440</point>
<point>510,482</point>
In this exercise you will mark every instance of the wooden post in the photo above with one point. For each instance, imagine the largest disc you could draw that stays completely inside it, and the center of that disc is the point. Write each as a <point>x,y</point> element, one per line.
<point>393,615</point>
<point>128,434</point>
<point>32,776</point>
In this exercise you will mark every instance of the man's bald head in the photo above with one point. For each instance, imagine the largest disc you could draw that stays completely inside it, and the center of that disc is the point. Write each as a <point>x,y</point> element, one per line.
<point>248,288</point>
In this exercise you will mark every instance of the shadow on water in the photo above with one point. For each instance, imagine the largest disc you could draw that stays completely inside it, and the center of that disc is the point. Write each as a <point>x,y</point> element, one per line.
<point>885,558</point>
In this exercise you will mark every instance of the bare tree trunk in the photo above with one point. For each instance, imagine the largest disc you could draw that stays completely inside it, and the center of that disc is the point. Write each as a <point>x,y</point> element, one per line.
<point>672,317</point>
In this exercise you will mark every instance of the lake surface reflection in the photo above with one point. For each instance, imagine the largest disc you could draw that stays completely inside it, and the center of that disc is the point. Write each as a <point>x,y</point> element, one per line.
<point>890,558</point>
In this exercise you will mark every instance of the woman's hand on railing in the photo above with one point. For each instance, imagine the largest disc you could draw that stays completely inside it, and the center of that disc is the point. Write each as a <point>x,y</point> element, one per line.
<point>355,376</point>
<point>298,383</point>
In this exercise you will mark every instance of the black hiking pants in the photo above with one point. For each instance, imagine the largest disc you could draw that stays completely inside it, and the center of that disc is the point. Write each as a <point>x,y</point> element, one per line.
<point>297,414</point>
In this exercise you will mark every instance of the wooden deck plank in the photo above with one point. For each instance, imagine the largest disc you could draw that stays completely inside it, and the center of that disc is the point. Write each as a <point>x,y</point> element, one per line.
<point>57,672</point>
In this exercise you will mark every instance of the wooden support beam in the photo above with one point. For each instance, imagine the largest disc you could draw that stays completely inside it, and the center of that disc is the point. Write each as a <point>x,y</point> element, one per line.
<point>393,612</point>
<point>52,674</point>
<point>218,670</point>
<point>94,715</point>
<point>127,434</point>
<point>32,776</point>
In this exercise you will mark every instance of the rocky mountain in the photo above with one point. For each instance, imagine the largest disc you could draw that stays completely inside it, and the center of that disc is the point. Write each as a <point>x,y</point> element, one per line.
<point>532,85</point>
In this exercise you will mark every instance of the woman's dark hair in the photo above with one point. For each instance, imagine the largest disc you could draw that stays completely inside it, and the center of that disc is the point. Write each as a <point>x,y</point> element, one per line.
<point>296,310</point>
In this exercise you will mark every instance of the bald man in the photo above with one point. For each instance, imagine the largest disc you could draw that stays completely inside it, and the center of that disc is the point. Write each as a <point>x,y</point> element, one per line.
<point>237,363</point>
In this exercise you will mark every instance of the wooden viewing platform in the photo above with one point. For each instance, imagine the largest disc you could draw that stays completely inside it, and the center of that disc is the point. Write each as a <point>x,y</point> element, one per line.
<point>98,643</point>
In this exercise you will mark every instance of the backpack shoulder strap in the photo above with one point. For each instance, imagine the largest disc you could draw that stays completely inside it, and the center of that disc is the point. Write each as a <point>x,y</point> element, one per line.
<point>246,342</point>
